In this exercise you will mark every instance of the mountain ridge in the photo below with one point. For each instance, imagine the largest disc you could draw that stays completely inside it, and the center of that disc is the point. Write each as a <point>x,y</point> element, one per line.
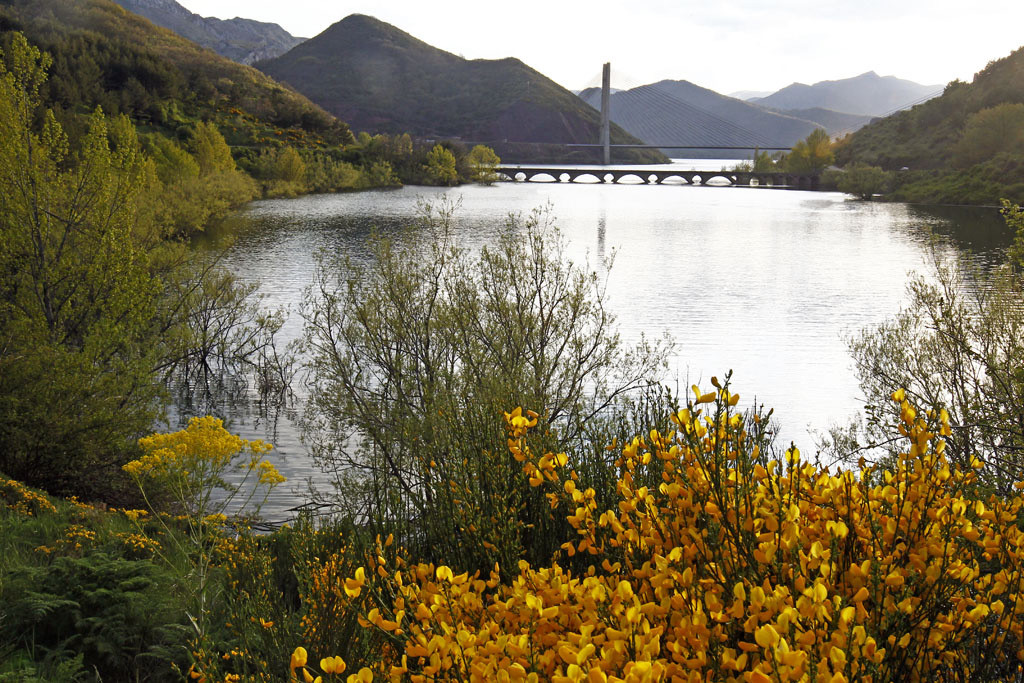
<point>242,40</point>
<point>867,94</point>
<point>678,112</point>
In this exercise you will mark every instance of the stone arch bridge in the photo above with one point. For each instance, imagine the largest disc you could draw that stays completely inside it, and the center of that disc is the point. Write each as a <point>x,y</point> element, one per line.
<point>655,176</point>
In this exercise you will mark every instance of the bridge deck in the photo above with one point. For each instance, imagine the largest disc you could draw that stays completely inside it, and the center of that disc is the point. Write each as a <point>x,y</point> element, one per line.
<point>653,176</point>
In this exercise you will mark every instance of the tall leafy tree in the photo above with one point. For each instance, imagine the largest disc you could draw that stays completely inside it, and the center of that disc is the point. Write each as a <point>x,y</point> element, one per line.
<point>812,154</point>
<point>77,293</point>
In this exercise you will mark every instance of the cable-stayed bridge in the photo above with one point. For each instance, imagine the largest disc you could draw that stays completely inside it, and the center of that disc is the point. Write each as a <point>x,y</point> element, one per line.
<point>662,114</point>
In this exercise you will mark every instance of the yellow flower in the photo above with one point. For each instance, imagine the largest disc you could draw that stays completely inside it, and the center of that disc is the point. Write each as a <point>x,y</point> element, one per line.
<point>298,658</point>
<point>365,675</point>
<point>332,665</point>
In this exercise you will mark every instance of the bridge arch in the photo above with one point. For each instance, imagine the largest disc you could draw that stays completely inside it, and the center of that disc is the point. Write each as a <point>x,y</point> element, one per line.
<point>636,178</point>
<point>709,179</point>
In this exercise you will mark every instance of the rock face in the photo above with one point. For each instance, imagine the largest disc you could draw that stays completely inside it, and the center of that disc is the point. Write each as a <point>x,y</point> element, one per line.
<point>242,40</point>
<point>380,79</point>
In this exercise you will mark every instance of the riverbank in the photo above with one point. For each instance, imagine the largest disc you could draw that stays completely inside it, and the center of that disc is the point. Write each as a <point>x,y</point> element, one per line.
<point>133,595</point>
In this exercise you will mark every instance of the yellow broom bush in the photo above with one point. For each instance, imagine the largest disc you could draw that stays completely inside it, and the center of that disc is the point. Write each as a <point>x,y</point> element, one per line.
<point>732,567</point>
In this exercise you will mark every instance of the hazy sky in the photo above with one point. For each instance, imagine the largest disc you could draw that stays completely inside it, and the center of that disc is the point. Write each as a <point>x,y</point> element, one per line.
<point>726,45</point>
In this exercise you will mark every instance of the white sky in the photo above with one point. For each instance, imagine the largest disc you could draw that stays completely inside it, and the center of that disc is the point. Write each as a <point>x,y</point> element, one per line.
<point>725,45</point>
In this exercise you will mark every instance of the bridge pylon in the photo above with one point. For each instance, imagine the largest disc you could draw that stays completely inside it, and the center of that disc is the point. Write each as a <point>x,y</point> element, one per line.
<point>606,114</point>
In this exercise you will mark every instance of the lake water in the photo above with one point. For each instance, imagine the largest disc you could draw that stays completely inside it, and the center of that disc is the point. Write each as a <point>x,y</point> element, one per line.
<point>763,282</point>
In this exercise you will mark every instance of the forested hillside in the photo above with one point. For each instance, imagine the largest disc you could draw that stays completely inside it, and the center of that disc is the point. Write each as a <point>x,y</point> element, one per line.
<point>966,146</point>
<point>106,56</point>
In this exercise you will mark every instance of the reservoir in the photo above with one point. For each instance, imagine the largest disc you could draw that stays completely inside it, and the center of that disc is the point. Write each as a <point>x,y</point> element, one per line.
<point>767,283</point>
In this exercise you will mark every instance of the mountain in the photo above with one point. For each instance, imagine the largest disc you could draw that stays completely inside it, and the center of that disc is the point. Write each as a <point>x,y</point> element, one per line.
<point>242,40</point>
<point>681,113</point>
<point>104,55</point>
<point>381,79</point>
<point>868,94</point>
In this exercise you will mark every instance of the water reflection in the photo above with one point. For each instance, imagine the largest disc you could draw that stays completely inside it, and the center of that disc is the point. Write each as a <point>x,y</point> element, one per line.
<point>764,282</point>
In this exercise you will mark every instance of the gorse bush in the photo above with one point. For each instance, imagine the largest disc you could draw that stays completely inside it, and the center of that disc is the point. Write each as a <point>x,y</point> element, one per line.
<point>734,567</point>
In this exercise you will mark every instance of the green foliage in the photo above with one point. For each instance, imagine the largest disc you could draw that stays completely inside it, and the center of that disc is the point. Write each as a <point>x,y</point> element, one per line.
<point>416,357</point>
<point>210,150</point>
<point>990,132</point>
<point>864,181</point>
<point>764,162</point>
<point>81,599</point>
<point>482,162</point>
<point>77,297</point>
<point>811,155</point>
<point>325,173</point>
<point>1014,216</point>
<point>110,610</point>
<point>380,174</point>
<point>985,183</point>
<point>282,170</point>
<point>440,166</point>
<point>95,305</point>
<point>194,190</point>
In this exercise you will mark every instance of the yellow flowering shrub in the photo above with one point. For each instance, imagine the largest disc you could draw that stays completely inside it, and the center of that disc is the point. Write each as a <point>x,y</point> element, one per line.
<point>18,498</point>
<point>194,466</point>
<point>719,563</point>
<point>194,462</point>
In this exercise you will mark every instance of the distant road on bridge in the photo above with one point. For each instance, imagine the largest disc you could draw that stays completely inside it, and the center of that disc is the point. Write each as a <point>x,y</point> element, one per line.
<point>653,176</point>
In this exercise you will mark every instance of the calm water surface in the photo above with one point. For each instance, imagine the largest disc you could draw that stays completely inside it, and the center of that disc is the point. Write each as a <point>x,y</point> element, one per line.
<point>763,282</point>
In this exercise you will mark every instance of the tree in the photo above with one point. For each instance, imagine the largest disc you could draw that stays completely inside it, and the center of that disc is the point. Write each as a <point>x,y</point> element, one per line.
<point>440,166</point>
<point>811,155</point>
<point>210,149</point>
<point>864,181</point>
<point>989,132</point>
<point>97,307</point>
<point>77,295</point>
<point>483,163</point>
<point>416,356</point>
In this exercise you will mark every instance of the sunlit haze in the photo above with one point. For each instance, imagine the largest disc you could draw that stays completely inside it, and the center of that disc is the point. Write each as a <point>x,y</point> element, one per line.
<point>726,46</point>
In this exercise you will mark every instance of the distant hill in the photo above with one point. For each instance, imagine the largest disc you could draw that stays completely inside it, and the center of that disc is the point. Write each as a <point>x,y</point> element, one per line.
<point>749,94</point>
<point>381,79</point>
<point>965,146</point>
<point>106,56</point>
<point>242,40</point>
<point>681,113</point>
<point>868,94</point>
